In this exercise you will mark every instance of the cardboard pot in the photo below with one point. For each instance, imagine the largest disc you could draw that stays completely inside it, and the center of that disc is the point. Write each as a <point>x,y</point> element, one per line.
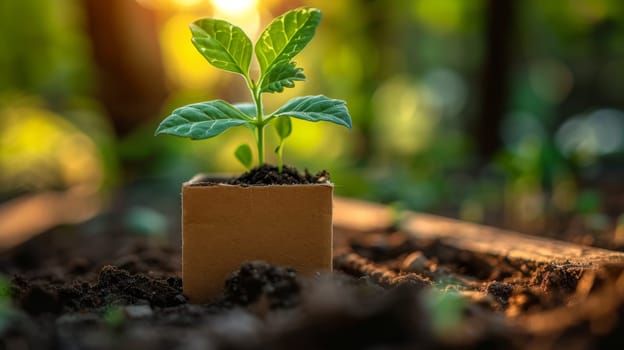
<point>224,225</point>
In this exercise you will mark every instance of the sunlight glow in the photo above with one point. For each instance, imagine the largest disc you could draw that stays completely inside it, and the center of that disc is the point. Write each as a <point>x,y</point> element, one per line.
<point>243,13</point>
<point>233,7</point>
<point>170,4</point>
<point>185,67</point>
<point>187,3</point>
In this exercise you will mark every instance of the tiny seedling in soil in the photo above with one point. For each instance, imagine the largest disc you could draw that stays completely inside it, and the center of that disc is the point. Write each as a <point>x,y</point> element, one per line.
<point>227,47</point>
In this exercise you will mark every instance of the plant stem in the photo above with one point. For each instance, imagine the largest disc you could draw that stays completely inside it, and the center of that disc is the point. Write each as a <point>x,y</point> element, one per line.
<point>257,96</point>
<point>260,141</point>
<point>260,123</point>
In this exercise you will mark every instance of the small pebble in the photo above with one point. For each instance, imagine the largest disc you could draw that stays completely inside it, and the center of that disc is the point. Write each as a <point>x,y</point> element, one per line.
<point>138,311</point>
<point>415,262</point>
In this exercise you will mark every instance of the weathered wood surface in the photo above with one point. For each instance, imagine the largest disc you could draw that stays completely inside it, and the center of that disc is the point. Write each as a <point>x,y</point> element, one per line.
<point>359,215</point>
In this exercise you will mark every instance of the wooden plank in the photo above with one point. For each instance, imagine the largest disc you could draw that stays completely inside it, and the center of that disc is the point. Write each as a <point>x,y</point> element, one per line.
<point>364,216</point>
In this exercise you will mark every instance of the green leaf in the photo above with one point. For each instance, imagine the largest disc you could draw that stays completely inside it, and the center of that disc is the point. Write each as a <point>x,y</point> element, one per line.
<point>224,45</point>
<point>243,154</point>
<point>248,108</point>
<point>316,108</point>
<point>284,74</point>
<point>285,37</point>
<point>283,127</point>
<point>202,120</point>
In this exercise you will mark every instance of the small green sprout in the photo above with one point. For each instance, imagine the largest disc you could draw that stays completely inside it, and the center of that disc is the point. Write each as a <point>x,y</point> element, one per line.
<point>243,154</point>
<point>447,311</point>
<point>227,47</point>
<point>283,127</point>
<point>114,317</point>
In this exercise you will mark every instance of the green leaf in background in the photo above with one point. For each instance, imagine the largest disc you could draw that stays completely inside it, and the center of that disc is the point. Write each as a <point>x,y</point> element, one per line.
<point>202,120</point>
<point>316,108</point>
<point>284,74</point>
<point>223,44</point>
<point>285,37</point>
<point>283,127</point>
<point>243,154</point>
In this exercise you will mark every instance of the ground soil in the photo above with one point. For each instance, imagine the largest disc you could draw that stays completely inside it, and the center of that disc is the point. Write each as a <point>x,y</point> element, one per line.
<point>69,289</point>
<point>388,291</point>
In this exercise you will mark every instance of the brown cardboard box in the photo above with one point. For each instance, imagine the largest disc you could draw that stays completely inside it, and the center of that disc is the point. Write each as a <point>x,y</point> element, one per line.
<point>224,225</point>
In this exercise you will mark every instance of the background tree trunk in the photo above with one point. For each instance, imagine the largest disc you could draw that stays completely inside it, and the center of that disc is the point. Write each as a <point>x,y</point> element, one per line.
<point>128,61</point>
<point>499,33</point>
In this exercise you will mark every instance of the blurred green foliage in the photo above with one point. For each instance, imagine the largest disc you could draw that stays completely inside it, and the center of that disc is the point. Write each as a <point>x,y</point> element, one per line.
<point>44,50</point>
<point>7,314</point>
<point>447,310</point>
<point>410,72</point>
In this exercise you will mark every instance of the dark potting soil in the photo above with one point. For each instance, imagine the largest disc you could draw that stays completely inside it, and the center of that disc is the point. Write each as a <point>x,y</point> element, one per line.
<point>267,174</point>
<point>388,291</point>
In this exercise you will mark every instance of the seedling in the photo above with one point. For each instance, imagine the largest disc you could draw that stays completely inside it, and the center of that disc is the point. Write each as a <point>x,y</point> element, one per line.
<point>227,47</point>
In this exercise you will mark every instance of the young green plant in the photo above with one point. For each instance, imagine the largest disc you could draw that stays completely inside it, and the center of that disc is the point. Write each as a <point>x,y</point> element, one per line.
<point>227,47</point>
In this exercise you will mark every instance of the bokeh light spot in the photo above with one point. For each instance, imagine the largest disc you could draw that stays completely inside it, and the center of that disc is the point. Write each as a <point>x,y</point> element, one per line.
<point>41,150</point>
<point>404,122</point>
<point>586,137</point>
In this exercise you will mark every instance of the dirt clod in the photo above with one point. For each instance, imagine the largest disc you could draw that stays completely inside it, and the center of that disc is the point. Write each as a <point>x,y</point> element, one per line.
<point>502,291</point>
<point>552,277</point>
<point>257,279</point>
<point>114,286</point>
<point>36,298</point>
<point>115,283</point>
<point>358,266</point>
